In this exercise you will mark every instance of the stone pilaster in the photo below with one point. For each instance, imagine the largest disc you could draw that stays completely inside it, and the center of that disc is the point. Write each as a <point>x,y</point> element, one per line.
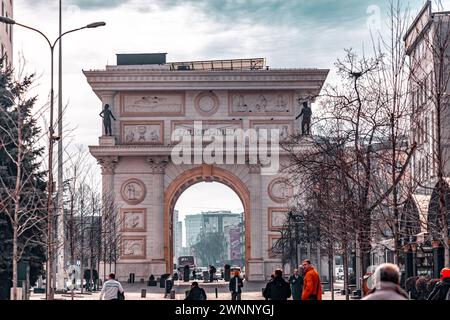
<point>108,166</point>
<point>157,167</point>
<point>256,211</point>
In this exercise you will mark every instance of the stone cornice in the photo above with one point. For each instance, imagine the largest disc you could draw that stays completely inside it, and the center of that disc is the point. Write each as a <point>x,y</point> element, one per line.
<point>152,151</point>
<point>134,79</point>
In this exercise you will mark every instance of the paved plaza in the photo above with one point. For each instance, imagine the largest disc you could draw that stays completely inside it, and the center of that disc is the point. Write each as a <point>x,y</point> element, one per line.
<point>252,291</point>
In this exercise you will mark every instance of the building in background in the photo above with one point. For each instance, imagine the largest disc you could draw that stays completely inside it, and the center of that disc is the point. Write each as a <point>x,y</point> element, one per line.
<point>6,32</point>
<point>225,222</point>
<point>428,46</point>
<point>177,234</point>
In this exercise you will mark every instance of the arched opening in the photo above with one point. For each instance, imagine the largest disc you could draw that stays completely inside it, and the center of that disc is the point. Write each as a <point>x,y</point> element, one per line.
<point>189,178</point>
<point>209,226</point>
<point>409,223</point>
<point>434,223</point>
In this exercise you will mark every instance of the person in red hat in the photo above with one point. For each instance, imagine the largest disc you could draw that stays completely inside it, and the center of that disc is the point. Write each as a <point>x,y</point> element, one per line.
<point>442,289</point>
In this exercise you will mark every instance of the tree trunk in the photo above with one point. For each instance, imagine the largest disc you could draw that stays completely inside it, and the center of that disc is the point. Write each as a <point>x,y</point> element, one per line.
<point>346,284</point>
<point>14,261</point>
<point>331,273</point>
<point>17,191</point>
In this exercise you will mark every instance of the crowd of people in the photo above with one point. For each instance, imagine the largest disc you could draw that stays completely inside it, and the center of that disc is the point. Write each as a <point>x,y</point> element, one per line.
<point>305,284</point>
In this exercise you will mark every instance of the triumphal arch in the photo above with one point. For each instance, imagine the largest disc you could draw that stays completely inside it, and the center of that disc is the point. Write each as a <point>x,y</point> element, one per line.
<point>157,105</point>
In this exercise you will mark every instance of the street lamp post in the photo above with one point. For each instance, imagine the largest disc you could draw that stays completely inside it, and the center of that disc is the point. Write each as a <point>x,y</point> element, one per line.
<point>49,294</point>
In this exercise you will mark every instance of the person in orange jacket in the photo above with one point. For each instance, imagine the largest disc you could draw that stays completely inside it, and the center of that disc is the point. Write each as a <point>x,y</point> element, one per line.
<point>312,287</point>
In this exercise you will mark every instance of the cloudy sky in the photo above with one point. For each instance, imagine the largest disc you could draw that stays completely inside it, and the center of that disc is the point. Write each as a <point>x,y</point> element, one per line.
<point>289,33</point>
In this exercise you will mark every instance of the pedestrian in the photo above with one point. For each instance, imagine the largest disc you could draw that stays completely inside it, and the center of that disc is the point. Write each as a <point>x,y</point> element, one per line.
<point>442,289</point>
<point>387,284</point>
<point>112,289</point>
<point>296,282</point>
<point>235,286</point>
<point>312,287</point>
<point>278,288</point>
<point>196,293</point>
<point>194,275</point>
<point>212,272</point>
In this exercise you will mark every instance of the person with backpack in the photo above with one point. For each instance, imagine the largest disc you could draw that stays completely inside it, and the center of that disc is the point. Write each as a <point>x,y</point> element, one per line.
<point>196,293</point>
<point>442,289</point>
<point>278,288</point>
<point>312,287</point>
<point>112,289</point>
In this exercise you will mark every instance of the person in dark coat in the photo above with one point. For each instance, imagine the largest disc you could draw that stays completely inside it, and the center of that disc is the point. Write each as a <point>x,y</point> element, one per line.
<point>278,288</point>
<point>196,293</point>
<point>212,272</point>
<point>296,282</point>
<point>442,289</point>
<point>235,286</point>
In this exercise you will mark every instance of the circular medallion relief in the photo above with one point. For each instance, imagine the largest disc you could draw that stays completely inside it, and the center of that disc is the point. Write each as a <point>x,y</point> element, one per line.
<point>133,191</point>
<point>206,103</point>
<point>280,190</point>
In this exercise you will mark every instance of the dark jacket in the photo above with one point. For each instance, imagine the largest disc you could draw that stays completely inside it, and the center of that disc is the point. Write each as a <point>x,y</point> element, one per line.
<point>277,289</point>
<point>296,286</point>
<point>196,293</point>
<point>232,285</point>
<point>440,291</point>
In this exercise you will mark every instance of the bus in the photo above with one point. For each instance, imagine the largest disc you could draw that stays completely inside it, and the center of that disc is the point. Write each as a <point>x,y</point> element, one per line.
<point>186,261</point>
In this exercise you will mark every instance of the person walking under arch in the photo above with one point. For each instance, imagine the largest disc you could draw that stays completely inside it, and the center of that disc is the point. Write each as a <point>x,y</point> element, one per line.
<point>235,286</point>
<point>196,293</point>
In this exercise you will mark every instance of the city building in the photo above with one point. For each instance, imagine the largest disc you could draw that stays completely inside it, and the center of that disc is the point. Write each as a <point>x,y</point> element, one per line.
<point>229,224</point>
<point>177,233</point>
<point>6,32</point>
<point>428,46</point>
<point>211,221</point>
<point>193,224</point>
